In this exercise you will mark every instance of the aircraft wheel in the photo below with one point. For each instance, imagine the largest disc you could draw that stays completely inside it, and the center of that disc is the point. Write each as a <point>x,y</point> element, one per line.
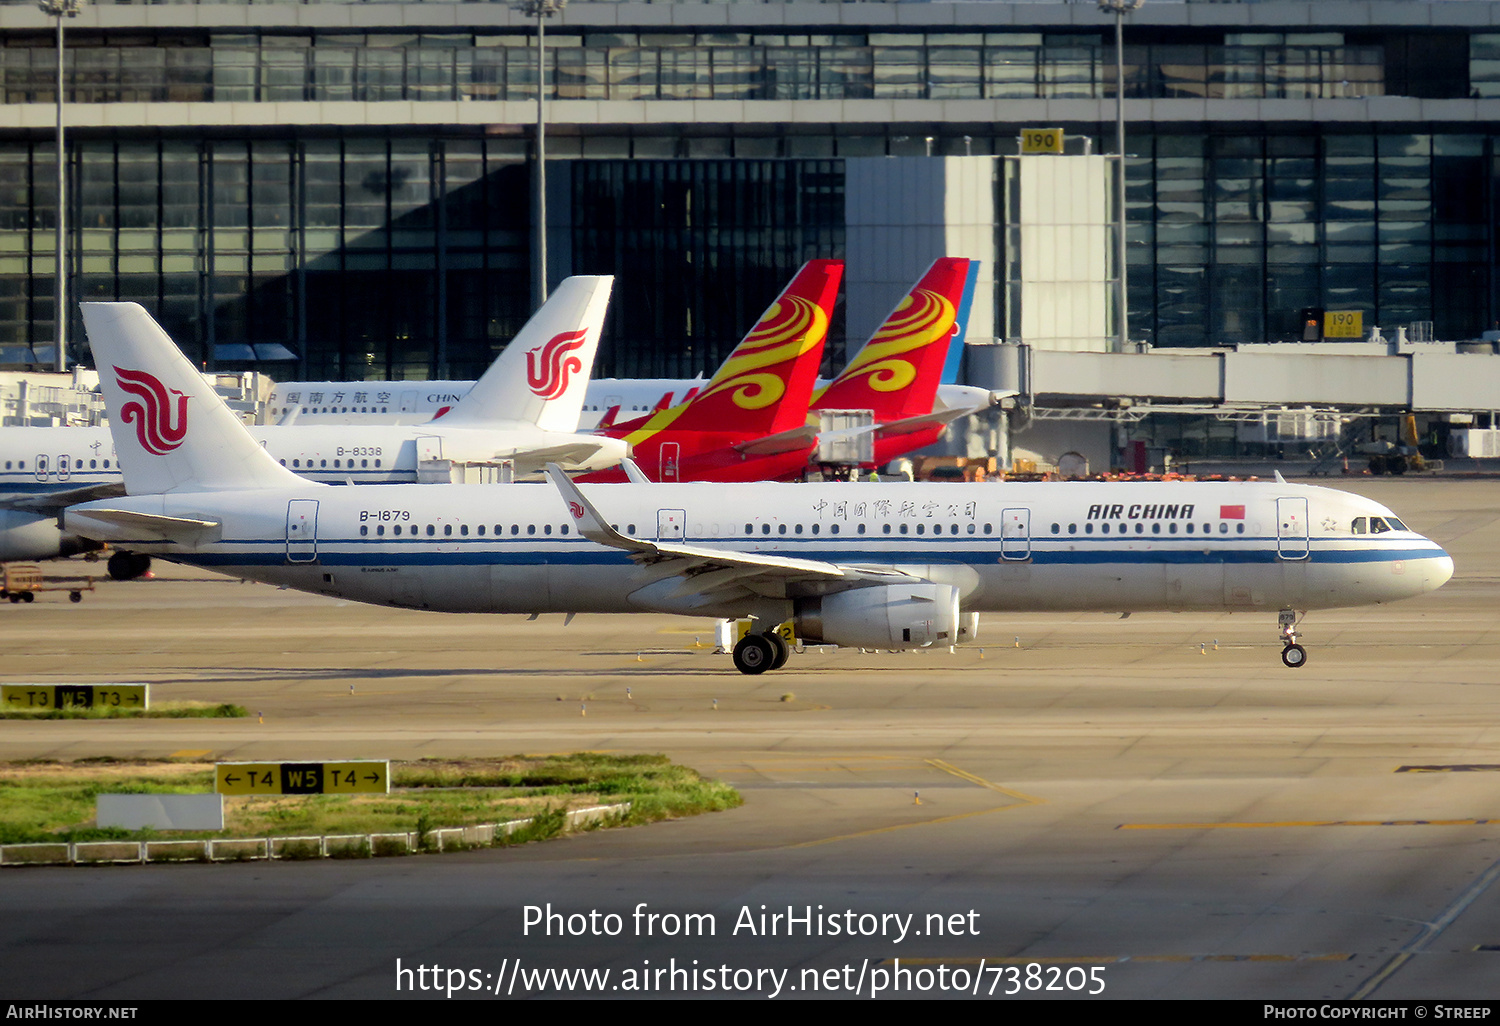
<point>75,596</point>
<point>754,654</point>
<point>783,650</point>
<point>125,566</point>
<point>1295,656</point>
<point>28,596</point>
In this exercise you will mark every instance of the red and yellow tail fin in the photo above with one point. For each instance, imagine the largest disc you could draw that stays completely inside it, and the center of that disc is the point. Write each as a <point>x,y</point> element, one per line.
<point>896,373</point>
<point>766,383</point>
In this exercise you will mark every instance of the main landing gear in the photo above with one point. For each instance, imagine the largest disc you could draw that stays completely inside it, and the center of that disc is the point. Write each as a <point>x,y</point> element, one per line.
<point>757,653</point>
<point>1292,654</point>
<point>126,566</point>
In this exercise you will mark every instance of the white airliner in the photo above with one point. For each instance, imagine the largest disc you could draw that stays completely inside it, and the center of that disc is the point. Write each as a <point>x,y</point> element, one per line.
<point>523,410</point>
<point>872,565</point>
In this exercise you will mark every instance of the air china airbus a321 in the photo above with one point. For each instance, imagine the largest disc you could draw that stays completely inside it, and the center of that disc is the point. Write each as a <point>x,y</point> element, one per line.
<point>870,565</point>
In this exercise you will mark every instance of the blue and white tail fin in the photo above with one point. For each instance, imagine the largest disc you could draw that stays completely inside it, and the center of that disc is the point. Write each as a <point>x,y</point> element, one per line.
<point>172,431</point>
<point>542,376</point>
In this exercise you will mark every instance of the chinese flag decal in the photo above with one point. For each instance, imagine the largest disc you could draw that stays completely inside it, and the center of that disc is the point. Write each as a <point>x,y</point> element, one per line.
<point>1231,512</point>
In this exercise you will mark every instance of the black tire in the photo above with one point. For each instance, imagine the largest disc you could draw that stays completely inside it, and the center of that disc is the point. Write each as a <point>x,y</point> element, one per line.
<point>754,654</point>
<point>1294,656</point>
<point>126,566</point>
<point>783,650</point>
<point>28,596</point>
<point>75,596</point>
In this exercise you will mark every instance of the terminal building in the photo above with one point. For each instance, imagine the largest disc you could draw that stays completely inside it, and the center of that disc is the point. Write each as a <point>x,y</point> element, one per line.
<point>342,190</point>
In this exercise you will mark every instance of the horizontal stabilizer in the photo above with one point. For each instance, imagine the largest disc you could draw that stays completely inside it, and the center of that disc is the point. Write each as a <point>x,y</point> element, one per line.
<point>804,437</point>
<point>187,531</point>
<point>911,425</point>
<point>53,502</point>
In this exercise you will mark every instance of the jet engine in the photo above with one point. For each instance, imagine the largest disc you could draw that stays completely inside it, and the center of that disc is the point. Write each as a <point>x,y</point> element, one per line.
<point>885,616</point>
<point>29,537</point>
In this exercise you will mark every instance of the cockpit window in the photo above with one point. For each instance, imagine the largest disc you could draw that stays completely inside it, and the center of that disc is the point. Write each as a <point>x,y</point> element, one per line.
<point>1396,525</point>
<point>1360,525</point>
<point>1378,525</point>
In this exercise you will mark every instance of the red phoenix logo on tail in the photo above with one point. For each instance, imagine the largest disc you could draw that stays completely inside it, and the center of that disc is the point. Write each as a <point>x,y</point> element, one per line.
<point>159,428</point>
<point>575,509</point>
<point>550,367</point>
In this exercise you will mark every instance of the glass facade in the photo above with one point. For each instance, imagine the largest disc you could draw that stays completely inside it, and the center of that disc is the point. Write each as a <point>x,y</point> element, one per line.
<point>278,67</point>
<point>1232,237</point>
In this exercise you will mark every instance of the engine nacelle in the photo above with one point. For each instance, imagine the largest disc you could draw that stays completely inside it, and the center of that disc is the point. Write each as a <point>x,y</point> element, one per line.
<point>30,537</point>
<point>884,616</point>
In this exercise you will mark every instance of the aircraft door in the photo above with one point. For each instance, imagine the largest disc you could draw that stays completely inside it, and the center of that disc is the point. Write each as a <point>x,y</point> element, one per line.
<point>1291,528</point>
<point>1015,534</point>
<point>41,467</point>
<point>302,530</point>
<point>408,402</point>
<point>669,524</point>
<point>671,453</point>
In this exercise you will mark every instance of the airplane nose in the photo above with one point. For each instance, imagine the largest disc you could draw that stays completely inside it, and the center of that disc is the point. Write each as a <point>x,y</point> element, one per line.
<point>1440,572</point>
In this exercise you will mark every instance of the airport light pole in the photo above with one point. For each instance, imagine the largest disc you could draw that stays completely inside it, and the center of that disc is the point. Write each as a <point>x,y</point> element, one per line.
<point>541,10</point>
<point>1120,8</point>
<point>61,9</point>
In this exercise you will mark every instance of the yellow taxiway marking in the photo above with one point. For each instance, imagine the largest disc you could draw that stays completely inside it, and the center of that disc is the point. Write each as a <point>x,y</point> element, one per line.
<point>191,753</point>
<point>1309,823</point>
<point>1339,956</point>
<point>1021,801</point>
<point>1024,799</point>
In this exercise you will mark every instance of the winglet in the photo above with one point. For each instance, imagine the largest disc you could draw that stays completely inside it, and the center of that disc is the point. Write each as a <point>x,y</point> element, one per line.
<point>634,472</point>
<point>591,524</point>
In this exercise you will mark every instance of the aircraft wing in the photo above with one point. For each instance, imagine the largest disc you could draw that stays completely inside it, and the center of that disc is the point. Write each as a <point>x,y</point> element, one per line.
<point>911,425</point>
<point>707,570</point>
<point>530,460</point>
<point>54,502</point>
<point>804,437</point>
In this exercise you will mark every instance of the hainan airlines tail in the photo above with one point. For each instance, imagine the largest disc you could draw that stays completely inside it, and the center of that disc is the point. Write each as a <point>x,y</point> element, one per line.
<point>765,384</point>
<point>173,432</point>
<point>542,376</point>
<point>896,373</point>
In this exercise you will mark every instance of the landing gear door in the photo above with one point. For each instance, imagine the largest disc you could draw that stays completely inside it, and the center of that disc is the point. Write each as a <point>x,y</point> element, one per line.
<point>302,530</point>
<point>1015,534</point>
<point>669,524</point>
<point>1291,528</point>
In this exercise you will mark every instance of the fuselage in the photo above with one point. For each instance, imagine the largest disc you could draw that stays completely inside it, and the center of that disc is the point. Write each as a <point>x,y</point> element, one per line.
<point>37,460</point>
<point>1004,546</point>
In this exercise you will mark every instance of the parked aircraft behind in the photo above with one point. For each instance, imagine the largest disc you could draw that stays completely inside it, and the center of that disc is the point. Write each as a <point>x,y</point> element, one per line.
<point>756,402</point>
<point>521,410</point>
<point>870,565</point>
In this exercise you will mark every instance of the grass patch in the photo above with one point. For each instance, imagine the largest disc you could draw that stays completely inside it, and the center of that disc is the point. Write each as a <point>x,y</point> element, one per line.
<point>159,711</point>
<point>54,801</point>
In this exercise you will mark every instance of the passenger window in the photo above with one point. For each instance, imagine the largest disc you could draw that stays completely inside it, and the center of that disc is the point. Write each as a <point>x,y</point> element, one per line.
<point>1239,528</point>
<point>1088,528</point>
<point>1072,529</point>
<point>1056,529</point>
<point>1189,528</point>
<point>1156,529</point>
<point>564,528</point>
<point>1223,528</point>
<point>921,528</point>
<point>765,528</point>
<point>547,529</point>
<point>1140,528</point>
<point>814,528</point>
<point>903,528</point>
<point>480,530</point>
<point>380,530</point>
<point>464,530</point>
<point>364,529</point>
<point>1171,528</point>
<point>833,529</point>
<point>781,529</point>
<point>861,528</point>
<point>1104,528</point>
<point>973,528</point>
<point>986,528</point>
<point>396,529</point>
<point>516,528</point>
<point>885,528</point>
<point>797,529</point>
<point>531,529</point>
<point>748,529</point>
<point>447,530</point>
<point>431,530</point>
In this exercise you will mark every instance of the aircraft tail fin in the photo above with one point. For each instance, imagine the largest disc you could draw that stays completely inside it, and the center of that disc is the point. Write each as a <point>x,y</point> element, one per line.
<point>542,375</point>
<point>765,384</point>
<point>896,373</point>
<point>172,432</point>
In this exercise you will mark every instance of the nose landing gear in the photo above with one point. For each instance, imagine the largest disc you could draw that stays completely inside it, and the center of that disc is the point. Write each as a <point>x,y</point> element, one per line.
<point>1293,655</point>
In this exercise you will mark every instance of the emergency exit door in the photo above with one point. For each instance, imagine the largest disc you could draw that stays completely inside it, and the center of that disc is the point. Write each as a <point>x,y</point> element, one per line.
<point>301,530</point>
